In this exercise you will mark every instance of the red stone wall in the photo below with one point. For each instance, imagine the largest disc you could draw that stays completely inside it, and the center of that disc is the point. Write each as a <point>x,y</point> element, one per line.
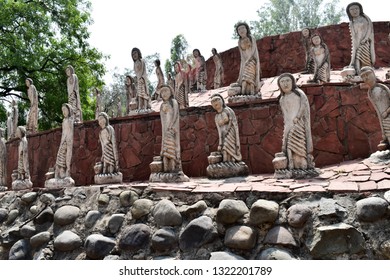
<point>285,53</point>
<point>344,127</point>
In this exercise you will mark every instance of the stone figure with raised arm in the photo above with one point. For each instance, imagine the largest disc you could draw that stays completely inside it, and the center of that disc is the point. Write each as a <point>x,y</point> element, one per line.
<point>379,95</point>
<point>227,160</point>
<point>295,160</point>
<point>21,176</point>
<point>32,119</point>
<point>200,70</point>
<point>160,79</point>
<point>321,57</point>
<point>107,171</point>
<point>248,82</point>
<point>143,95</point>
<point>167,166</point>
<point>62,167</point>
<point>74,93</point>
<point>307,45</point>
<point>219,73</point>
<point>362,35</point>
<point>181,93</point>
<point>3,162</point>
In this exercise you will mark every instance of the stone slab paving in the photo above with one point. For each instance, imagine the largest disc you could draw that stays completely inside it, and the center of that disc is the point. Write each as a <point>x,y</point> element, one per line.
<point>348,176</point>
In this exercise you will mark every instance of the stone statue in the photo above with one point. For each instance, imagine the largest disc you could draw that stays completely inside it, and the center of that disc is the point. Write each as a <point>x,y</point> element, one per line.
<point>170,81</point>
<point>307,44</point>
<point>119,106</point>
<point>362,35</point>
<point>107,171</point>
<point>143,95</point>
<point>248,82</point>
<point>227,161</point>
<point>12,120</point>
<point>181,93</point>
<point>379,95</point>
<point>32,119</point>
<point>295,160</point>
<point>3,162</point>
<point>98,107</point>
<point>321,57</point>
<point>74,93</point>
<point>160,79</point>
<point>21,176</point>
<point>167,166</point>
<point>218,74</point>
<point>62,167</point>
<point>200,70</point>
<point>131,93</point>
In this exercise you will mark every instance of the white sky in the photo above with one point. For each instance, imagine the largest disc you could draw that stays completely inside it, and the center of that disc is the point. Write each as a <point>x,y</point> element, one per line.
<point>150,25</point>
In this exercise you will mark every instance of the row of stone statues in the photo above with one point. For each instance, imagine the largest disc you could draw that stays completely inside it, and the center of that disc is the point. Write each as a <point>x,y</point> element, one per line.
<point>294,161</point>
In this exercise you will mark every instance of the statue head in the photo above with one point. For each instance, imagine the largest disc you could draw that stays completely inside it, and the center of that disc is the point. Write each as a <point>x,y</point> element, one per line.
<point>217,102</point>
<point>166,93</point>
<point>354,9</point>
<point>242,29</point>
<point>286,83</point>
<point>368,76</point>
<point>20,132</point>
<point>316,39</point>
<point>306,33</point>
<point>177,67</point>
<point>69,70</point>
<point>157,62</point>
<point>214,51</point>
<point>196,52</point>
<point>29,82</point>
<point>136,54</point>
<point>103,120</point>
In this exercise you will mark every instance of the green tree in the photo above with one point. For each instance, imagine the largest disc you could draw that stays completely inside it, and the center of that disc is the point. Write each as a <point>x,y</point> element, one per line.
<point>282,16</point>
<point>179,52</point>
<point>38,39</point>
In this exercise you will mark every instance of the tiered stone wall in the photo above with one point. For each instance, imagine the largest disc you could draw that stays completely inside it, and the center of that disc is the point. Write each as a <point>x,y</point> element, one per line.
<point>344,126</point>
<point>285,53</point>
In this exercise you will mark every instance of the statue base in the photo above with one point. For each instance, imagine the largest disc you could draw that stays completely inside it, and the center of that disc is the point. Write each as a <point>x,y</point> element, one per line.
<point>58,183</point>
<point>109,178</point>
<point>235,95</point>
<point>380,157</point>
<point>143,111</point>
<point>227,169</point>
<point>349,75</point>
<point>18,185</point>
<point>296,173</point>
<point>162,177</point>
<point>3,188</point>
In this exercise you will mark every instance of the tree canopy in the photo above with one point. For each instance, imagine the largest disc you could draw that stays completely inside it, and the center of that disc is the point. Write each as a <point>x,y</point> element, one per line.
<point>38,39</point>
<point>282,16</point>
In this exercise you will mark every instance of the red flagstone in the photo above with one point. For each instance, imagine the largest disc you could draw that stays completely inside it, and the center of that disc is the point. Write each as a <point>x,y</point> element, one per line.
<point>379,176</point>
<point>343,186</point>
<point>367,186</point>
<point>267,188</point>
<point>383,185</point>
<point>358,178</point>
<point>311,188</point>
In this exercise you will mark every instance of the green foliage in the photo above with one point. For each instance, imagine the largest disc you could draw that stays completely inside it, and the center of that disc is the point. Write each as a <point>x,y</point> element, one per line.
<point>38,39</point>
<point>282,16</point>
<point>179,52</point>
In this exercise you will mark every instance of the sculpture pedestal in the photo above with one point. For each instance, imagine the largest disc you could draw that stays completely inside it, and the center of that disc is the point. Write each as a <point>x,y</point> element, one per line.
<point>18,185</point>
<point>112,178</point>
<point>380,157</point>
<point>218,169</point>
<point>162,177</point>
<point>57,183</point>
<point>235,96</point>
<point>158,176</point>
<point>227,170</point>
<point>296,173</point>
<point>349,75</point>
<point>282,172</point>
